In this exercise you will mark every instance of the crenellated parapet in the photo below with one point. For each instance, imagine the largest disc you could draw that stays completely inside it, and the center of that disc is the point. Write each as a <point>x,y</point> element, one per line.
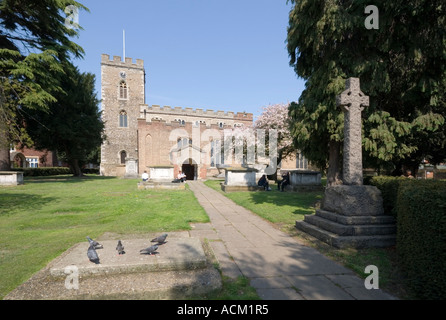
<point>190,112</point>
<point>117,61</point>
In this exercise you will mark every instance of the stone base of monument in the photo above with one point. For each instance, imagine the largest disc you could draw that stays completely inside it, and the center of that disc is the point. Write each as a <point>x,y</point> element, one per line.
<point>180,268</point>
<point>160,185</point>
<point>351,216</point>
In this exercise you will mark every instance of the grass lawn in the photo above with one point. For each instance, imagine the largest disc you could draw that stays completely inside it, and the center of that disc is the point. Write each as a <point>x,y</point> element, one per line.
<point>47,215</point>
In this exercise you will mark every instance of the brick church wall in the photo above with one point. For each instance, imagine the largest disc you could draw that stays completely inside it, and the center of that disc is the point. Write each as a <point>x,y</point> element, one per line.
<point>146,136</point>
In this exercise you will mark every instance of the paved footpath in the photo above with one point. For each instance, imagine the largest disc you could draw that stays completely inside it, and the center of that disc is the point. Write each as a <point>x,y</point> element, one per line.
<point>278,266</point>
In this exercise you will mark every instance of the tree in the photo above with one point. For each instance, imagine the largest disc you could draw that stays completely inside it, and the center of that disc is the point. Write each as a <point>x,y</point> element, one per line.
<point>34,43</point>
<point>72,126</point>
<point>401,66</point>
<point>276,117</point>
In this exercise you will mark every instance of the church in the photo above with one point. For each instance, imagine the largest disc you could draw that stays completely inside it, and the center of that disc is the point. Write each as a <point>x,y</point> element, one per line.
<point>142,138</point>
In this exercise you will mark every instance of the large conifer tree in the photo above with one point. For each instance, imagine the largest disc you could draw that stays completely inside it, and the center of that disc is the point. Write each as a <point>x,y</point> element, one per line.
<point>401,66</point>
<point>35,42</point>
<point>72,126</point>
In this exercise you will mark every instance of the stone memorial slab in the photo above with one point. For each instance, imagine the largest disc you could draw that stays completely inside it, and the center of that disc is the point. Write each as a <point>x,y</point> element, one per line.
<point>175,254</point>
<point>11,178</point>
<point>131,168</point>
<point>240,179</point>
<point>304,180</point>
<point>161,173</point>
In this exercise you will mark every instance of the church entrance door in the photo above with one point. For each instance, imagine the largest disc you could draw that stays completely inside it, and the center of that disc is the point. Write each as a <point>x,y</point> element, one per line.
<point>189,171</point>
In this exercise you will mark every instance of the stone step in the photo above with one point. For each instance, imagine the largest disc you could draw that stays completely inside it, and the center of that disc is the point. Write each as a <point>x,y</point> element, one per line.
<point>354,220</point>
<point>169,185</point>
<point>166,285</point>
<point>350,230</point>
<point>337,241</point>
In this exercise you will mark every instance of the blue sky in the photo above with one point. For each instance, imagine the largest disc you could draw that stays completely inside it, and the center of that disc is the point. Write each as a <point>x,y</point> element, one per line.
<point>223,55</point>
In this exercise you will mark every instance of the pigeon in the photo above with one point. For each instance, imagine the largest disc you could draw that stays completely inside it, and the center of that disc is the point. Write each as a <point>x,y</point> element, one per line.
<point>96,244</point>
<point>160,239</point>
<point>92,254</point>
<point>150,250</point>
<point>120,247</point>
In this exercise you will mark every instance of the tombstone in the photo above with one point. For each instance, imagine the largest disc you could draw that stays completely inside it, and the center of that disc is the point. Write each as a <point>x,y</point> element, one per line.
<point>351,214</point>
<point>304,180</point>
<point>11,178</point>
<point>161,177</point>
<point>240,179</point>
<point>131,168</point>
<point>161,173</point>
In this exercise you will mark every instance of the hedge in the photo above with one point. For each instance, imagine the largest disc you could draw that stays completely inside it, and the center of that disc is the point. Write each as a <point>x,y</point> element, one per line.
<point>389,189</point>
<point>46,171</point>
<point>419,207</point>
<point>421,236</point>
<point>52,171</point>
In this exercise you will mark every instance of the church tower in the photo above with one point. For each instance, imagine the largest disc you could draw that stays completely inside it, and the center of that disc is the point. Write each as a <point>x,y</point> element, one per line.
<point>122,93</point>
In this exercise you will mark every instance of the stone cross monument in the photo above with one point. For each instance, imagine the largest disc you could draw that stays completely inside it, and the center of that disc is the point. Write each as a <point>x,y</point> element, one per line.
<point>352,101</point>
<point>351,214</point>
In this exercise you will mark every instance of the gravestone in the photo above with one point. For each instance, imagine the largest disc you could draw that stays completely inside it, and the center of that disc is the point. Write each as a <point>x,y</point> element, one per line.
<point>351,214</point>
<point>161,177</point>
<point>131,168</point>
<point>11,178</point>
<point>240,179</point>
<point>161,173</point>
<point>304,180</point>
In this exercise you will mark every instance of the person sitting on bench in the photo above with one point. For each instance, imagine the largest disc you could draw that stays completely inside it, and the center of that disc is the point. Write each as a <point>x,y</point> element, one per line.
<point>263,182</point>
<point>181,176</point>
<point>285,181</point>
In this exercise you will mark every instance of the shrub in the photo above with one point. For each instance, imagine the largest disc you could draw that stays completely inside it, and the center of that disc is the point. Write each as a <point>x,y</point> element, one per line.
<point>421,236</point>
<point>389,189</point>
<point>47,171</point>
<point>52,171</point>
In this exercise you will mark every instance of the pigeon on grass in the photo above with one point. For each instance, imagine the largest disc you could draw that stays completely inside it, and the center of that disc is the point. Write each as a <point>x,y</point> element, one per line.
<point>95,244</point>
<point>120,248</point>
<point>160,239</point>
<point>150,250</point>
<point>92,254</point>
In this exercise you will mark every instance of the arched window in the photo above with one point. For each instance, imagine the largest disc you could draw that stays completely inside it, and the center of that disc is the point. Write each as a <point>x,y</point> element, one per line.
<point>123,155</point>
<point>301,161</point>
<point>183,142</point>
<point>123,119</point>
<point>180,121</point>
<point>122,90</point>
<point>217,156</point>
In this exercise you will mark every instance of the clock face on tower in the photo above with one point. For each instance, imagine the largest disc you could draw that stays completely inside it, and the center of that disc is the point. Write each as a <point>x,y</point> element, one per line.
<point>122,74</point>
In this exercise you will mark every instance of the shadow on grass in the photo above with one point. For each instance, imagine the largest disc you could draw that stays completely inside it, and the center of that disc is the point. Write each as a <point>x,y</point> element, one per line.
<point>16,202</point>
<point>65,178</point>
<point>304,202</point>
